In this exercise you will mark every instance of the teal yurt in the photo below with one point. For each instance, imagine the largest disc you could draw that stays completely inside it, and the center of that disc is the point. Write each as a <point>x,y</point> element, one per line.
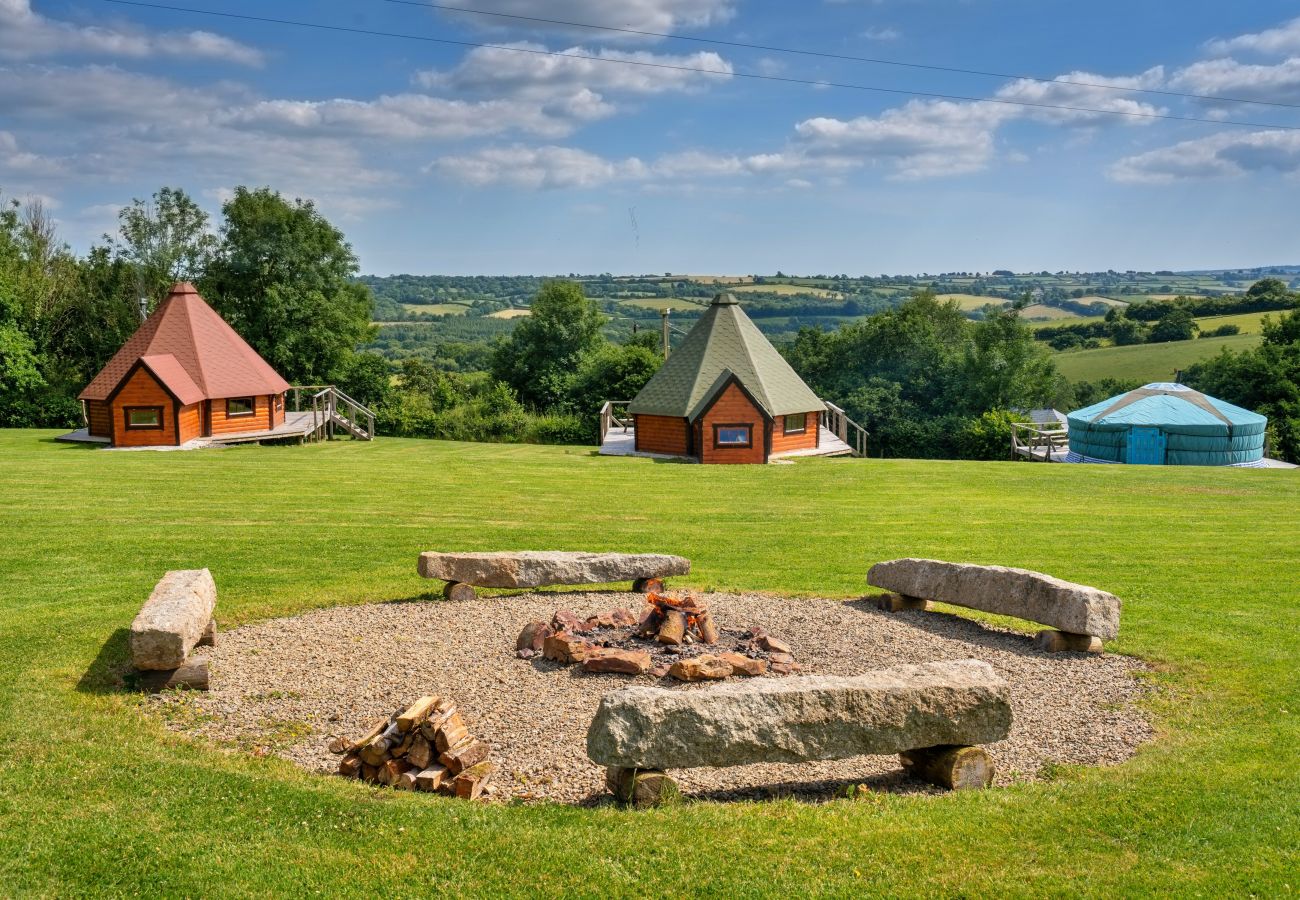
<point>1166,424</point>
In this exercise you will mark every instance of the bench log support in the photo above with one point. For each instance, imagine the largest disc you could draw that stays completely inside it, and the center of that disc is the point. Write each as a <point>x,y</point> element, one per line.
<point>191,675</point>
<point>892,602</point>
<point>953,767</point>
<point>459,591</point>
<point>1053,641</point>
<point>648,586</point>
<point>641,787</point>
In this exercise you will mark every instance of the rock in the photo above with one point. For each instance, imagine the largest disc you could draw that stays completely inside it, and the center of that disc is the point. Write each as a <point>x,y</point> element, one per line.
<point>568,620</point>
<point>626,662</point>
<point>700,668</point>
<point>782,658</point>
<point>1074,608</point>
<point>744,665</point>
<point>565,648</point>
<point>173,619</point>
<point>525,569</point>
<point>533,635</point>
<point>526,653</point>
<point>773,645</point>
<point>601,620</point>
<point>786,668</point>
<point>641,787</point>
<point>802,719</point>
<point>623,617</point>
<point>660,671</point>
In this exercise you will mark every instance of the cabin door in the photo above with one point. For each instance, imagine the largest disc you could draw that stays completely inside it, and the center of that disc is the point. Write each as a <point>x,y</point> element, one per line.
<point>205,411</point>
<point>1146,447</point>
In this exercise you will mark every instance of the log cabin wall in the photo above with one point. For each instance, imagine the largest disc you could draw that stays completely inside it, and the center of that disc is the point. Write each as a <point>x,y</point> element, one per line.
<point>277,410</point>
<point>783,443</point>
<point>99,418</point>
<point>733,407</point>
<point>226,424</point>
<point>191,425</point>
<point>661,434</point>
<point>141,389</point>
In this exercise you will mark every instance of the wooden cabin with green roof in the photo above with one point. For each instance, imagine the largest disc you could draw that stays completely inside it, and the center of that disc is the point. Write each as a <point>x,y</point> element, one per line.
<point>726,396</point>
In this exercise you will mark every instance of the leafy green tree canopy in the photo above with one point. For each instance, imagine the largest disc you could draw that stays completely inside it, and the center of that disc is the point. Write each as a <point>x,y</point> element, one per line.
<point>282,279</point>
<point>164,240</point>
<point>542,354</point>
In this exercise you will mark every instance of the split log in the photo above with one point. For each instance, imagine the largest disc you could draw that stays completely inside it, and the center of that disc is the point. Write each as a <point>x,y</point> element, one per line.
<point>406,781</point>
<point>370,774</point>
<point>191,675</point>
<point>469,752</point>
<point>641,787</point>
<point>648,586</point>
<point>340,745</point>
<point>376,729</point>
<point>953,767</point>
<point>417,712</point>
<point>897,602</point>
<point>708,631</point>
<point>350,765</point>
<point>1052,641</point>
<point>431,778</point>
<point>404,745</point>
<point>470,783</point>
<point>421,752</point>
<point>450,734</point>
<point>650,620</point>
<point>459,591</point>
<point>392,770</point>
<point>673,630</point>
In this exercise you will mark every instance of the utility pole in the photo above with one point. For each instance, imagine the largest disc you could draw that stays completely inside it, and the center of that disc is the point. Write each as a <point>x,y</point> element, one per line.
<point>144,308</point>
<point>664,313</point>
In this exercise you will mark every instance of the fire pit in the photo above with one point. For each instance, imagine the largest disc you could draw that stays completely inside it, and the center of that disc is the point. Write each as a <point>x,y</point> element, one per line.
<point>674,636</point>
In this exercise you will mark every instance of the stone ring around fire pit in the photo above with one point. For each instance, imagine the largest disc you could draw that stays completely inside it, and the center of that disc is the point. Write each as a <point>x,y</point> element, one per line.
<point>463,572</point>
<point>934,715</point>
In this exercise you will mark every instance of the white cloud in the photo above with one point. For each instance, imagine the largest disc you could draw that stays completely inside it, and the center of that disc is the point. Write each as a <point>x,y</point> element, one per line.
<point>882,33</point>
<point>536,168</point>
<point>638,15</point>
<point>25,34</point>
<point>1059,93</point>
<point>14,160</point>
<point>1283,39</point>
<point>500,72</point>
<point>1223,155</point>
<point>1226,77</point>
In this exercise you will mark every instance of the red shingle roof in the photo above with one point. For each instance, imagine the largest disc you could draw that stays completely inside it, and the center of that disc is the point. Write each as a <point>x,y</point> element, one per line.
<point>192,351</point>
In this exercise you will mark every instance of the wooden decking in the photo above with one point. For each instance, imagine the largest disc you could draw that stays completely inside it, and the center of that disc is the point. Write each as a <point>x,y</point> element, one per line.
<point>620,440</point>
<point>1038,443</point>
<point>295,425</point>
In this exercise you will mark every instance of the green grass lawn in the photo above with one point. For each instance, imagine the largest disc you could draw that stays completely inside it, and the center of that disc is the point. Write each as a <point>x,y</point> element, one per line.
<point>971,302</point>
<point>1146,362</point>
<point>98,798</point>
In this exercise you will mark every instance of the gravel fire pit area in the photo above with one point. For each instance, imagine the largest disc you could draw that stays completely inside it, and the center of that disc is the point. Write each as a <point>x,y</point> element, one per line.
<point>286,686</point>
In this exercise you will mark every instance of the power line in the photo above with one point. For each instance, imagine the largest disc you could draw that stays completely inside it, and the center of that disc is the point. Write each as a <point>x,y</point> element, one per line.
<point>837,56</point>
<point>727,74</point>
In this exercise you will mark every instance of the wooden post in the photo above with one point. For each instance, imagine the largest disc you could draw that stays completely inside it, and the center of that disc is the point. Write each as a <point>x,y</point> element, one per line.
<point>954,767</point>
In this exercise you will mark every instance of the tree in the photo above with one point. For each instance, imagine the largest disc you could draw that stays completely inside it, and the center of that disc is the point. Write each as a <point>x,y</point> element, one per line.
<point>540,357</point>
<point>612,372</point>
<point>1177,324</point>
<point>282,279</point>
<point>164,240</point>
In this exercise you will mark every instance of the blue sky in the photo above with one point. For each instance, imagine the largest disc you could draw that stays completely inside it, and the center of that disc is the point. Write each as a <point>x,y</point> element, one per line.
<point>437,158</point>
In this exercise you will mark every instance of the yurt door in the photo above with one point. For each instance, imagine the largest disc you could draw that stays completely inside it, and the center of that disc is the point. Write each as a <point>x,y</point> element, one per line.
<point>1146,446</point>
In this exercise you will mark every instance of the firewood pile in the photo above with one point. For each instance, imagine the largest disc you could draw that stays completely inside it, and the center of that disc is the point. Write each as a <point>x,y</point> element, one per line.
<point>423,747</point>
<point>673,636</point>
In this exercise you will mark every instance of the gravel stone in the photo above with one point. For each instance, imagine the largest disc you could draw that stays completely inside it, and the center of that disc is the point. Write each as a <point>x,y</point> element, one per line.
<point>285,686</point>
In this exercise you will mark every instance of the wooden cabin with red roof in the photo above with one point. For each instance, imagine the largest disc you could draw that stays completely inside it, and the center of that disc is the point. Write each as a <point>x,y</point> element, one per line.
<point>185,374</point>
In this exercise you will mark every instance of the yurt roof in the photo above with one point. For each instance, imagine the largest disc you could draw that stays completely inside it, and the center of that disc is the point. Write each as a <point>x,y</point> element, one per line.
<point>1167,405</point>
<point>724,342</point>
<point>192,351</point>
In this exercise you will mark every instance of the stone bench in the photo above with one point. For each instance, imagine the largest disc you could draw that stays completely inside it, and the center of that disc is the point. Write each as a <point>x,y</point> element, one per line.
<point>539,568</point>
<point>1081,616</point>
<point>177,617</point>
<point>934,715</point>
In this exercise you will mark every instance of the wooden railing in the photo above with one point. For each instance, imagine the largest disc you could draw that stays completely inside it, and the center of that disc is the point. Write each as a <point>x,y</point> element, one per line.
<point>331,409</point>
<point>837,422</point>
<point>614,414</point>
<point>1037,442</point>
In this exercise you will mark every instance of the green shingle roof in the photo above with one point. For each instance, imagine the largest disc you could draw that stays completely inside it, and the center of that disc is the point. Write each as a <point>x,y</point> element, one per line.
<point>724,342</point>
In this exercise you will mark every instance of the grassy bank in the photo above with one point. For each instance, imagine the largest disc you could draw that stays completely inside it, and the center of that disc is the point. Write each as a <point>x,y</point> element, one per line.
<point>1146,362</point>
<point>96,798</point>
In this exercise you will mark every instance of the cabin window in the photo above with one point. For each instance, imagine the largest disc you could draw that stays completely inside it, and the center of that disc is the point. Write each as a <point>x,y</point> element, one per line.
<point>239,406</point>
<point>733,436</point>
<point>145,417</point>
<point>795,424</point>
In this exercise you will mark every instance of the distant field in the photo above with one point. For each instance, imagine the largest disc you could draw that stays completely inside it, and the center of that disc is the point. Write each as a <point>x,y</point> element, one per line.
<point>1145,362</point>
<point>1249,323</point>
<point>1106,300</point>
<point>437,309</point>
<point>658,303</point>
<point>1042,311</point>
<point>971,302</point>
<point>509,313</point>
<point>784,289</point>
<point>716,279</point>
